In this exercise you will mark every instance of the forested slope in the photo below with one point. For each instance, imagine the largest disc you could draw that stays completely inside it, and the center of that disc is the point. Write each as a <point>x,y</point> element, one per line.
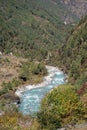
<point>74,53</point>
<point>31,27</point>
<point>67,104</point>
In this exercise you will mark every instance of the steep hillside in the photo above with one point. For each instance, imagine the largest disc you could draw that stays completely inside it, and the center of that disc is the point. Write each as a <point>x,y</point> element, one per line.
<point>31,27</point>
<point>68,104</point>
<point>37,28</point>
<point>74,53</point>
<point>78,8</point>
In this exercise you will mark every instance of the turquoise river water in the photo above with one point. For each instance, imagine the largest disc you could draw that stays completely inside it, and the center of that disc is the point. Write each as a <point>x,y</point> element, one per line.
<point>32,95</point>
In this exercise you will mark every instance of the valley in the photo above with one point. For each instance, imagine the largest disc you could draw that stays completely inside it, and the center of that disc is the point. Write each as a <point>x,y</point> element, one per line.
<point>34,34</point>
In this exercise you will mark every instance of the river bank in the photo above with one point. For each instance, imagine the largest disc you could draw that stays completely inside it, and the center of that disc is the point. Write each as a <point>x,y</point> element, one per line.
<point>46,80</point>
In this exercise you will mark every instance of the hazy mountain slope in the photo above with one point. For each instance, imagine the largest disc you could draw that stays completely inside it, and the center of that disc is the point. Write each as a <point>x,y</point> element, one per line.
<point>77,7</point>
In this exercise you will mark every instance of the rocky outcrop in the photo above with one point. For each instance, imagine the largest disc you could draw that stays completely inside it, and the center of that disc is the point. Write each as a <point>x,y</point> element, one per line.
<point>12,97</point>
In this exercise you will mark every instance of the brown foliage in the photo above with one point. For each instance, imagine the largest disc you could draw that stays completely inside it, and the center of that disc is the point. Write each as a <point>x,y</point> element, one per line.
<point>82,89</point>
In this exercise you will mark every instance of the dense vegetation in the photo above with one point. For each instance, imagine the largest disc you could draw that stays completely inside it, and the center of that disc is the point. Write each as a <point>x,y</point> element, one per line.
<point>74,53</point>
<point>68,104</point>
<point>32,72</point>
<point>32,28</point>
<point>11,85</point>
<point>60,107</point>
<point>16,121</point>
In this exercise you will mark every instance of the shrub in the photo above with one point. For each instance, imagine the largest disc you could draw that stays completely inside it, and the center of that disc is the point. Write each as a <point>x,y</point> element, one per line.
<point>60,107</point>
<point>16,121</point>
<point>39,69</point>
<point>24,74</point>
<point>29,70</point>
<point>11,85</point>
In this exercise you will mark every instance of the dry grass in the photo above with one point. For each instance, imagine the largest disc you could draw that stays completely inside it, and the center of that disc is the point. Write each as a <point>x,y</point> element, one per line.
<point>9,67</point>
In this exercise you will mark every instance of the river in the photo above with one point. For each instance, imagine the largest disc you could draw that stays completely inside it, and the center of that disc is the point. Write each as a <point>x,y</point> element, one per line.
<point>32,95</point>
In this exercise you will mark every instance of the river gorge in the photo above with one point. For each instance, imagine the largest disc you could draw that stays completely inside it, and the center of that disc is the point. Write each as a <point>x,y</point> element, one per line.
<point>32,95</point>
